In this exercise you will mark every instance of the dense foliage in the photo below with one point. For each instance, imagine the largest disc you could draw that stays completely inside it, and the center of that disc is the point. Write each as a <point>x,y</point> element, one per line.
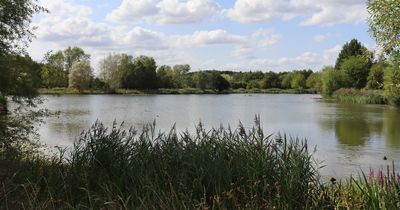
<point>15,19</point>
<point>384,25</point>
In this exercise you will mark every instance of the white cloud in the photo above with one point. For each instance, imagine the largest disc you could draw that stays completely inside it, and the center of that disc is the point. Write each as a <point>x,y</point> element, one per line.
<point>258,40</point>
<point>202,38</point>
<point>327,12</point>
<point>62,7</point>
<point>331,12</point>
<point>134,10</point>
<point>249,11</point>
<point>192,11</point>
<point>304,60</point>
<point>164,11</point>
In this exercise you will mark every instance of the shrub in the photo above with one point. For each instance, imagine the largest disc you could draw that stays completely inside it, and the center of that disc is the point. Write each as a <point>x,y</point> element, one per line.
<point>392,84</point>
<point>314,82</point>
<point>375,77</point>
<point>356,68</point>
<point>332,80</point>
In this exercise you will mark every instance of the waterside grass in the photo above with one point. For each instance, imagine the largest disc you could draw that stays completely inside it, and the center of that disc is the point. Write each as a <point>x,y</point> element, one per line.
<point>220,168</point>
<point>363,96</point>
<point>71,91</point>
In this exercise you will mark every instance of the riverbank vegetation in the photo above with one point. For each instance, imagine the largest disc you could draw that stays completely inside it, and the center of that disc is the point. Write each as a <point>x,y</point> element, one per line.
<point>122,71</point>
<point>220,168</point>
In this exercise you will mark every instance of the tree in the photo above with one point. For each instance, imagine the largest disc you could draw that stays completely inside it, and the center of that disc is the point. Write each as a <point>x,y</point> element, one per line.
<point>331,80</point>
<point>52,72</point>
<point>271,80</point>
<point>141,74</point>
<point>80,75</point>
<point>314,82</point>
<point>392,84</point>
<point>352,48</point>
<point>384,24</point>
<point>15,34</point>
<point>72,55</point>
<point>219,82</point>
<point>298,81</point>
<point>356,68</point>
<point>164,77</point>
<point>111,70</point>
<point>201,80</point>
<point>287,80</point>
<point>57,65</point>
<point>375,77</point>
<point>15,19</point>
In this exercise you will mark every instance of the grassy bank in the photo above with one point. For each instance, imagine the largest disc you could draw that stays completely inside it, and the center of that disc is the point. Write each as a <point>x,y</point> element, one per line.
<point>211,169</point>
<point>346,95</point>
<point>71,91</point>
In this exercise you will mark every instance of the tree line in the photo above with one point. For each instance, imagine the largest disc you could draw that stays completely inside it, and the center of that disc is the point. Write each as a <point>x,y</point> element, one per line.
<point>357,68</point>
<point>72,68</point>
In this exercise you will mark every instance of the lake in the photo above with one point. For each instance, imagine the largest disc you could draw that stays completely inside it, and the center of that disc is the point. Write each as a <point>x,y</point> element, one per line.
<point>349,137</point>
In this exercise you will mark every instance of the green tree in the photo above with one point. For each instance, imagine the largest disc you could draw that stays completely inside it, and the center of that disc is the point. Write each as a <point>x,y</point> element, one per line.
<point>287,80</point>
<point>179,75</point>
<point>384,24</point>
<point>58,64</point>
<point>72,55</point>
<point>15,20</point>
<point>314,81</point>
<point>80,75</point>
<point>201,80</point>
<point>141,74</point>
<point>15,34</point>
<point>392,84</point>
<point>298,81</point>
<point>375,77</point>
<point>219,82</point>
<point>332,80</point>
<point>352,48</point>
<point>110,70</point>
<point>270,80</point>
<point>164,77</point>
<point>356,69</point>
<point>52,72</point>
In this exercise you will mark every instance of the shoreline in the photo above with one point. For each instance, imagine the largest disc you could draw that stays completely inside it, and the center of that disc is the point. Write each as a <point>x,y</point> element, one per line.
<point>69,91</point>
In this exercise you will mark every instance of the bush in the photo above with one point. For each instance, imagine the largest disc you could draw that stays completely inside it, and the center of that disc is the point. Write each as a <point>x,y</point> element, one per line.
<point>314,82</point>
<point>356,68</point>
<point>298,81</point>
<point>392,84</point>
<point>375,77</point>
<point>332,80</point>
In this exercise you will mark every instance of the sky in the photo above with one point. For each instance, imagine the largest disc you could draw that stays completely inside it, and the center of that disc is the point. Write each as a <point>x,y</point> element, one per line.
<point>238,35</point>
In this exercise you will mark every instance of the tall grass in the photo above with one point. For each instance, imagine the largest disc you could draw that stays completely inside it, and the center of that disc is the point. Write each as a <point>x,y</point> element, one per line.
<point>363,96</point>
<point>218,168</point>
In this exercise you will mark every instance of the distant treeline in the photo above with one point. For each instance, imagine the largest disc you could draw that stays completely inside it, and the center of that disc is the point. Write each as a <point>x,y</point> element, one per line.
<point>71,68</point>
<point>355,68</point>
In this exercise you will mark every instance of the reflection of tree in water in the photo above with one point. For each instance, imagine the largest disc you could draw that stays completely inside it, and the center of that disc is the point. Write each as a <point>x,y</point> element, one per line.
<point>354,124</point>
<point>352,131</point>
<point>392,126</point>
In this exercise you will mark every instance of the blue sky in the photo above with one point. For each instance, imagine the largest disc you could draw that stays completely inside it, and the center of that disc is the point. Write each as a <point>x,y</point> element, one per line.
<point>207,34</point>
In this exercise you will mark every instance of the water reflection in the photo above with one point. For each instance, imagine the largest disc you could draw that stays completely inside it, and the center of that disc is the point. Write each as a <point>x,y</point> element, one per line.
<point>391,127</point>
<point>347,136</point>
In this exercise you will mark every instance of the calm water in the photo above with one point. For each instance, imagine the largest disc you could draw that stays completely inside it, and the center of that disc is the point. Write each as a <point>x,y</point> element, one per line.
<point>348,137</point>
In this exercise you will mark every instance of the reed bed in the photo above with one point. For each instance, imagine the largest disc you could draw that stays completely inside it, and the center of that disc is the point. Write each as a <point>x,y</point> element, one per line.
<point>220,168</point>
<point>363,96</point>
